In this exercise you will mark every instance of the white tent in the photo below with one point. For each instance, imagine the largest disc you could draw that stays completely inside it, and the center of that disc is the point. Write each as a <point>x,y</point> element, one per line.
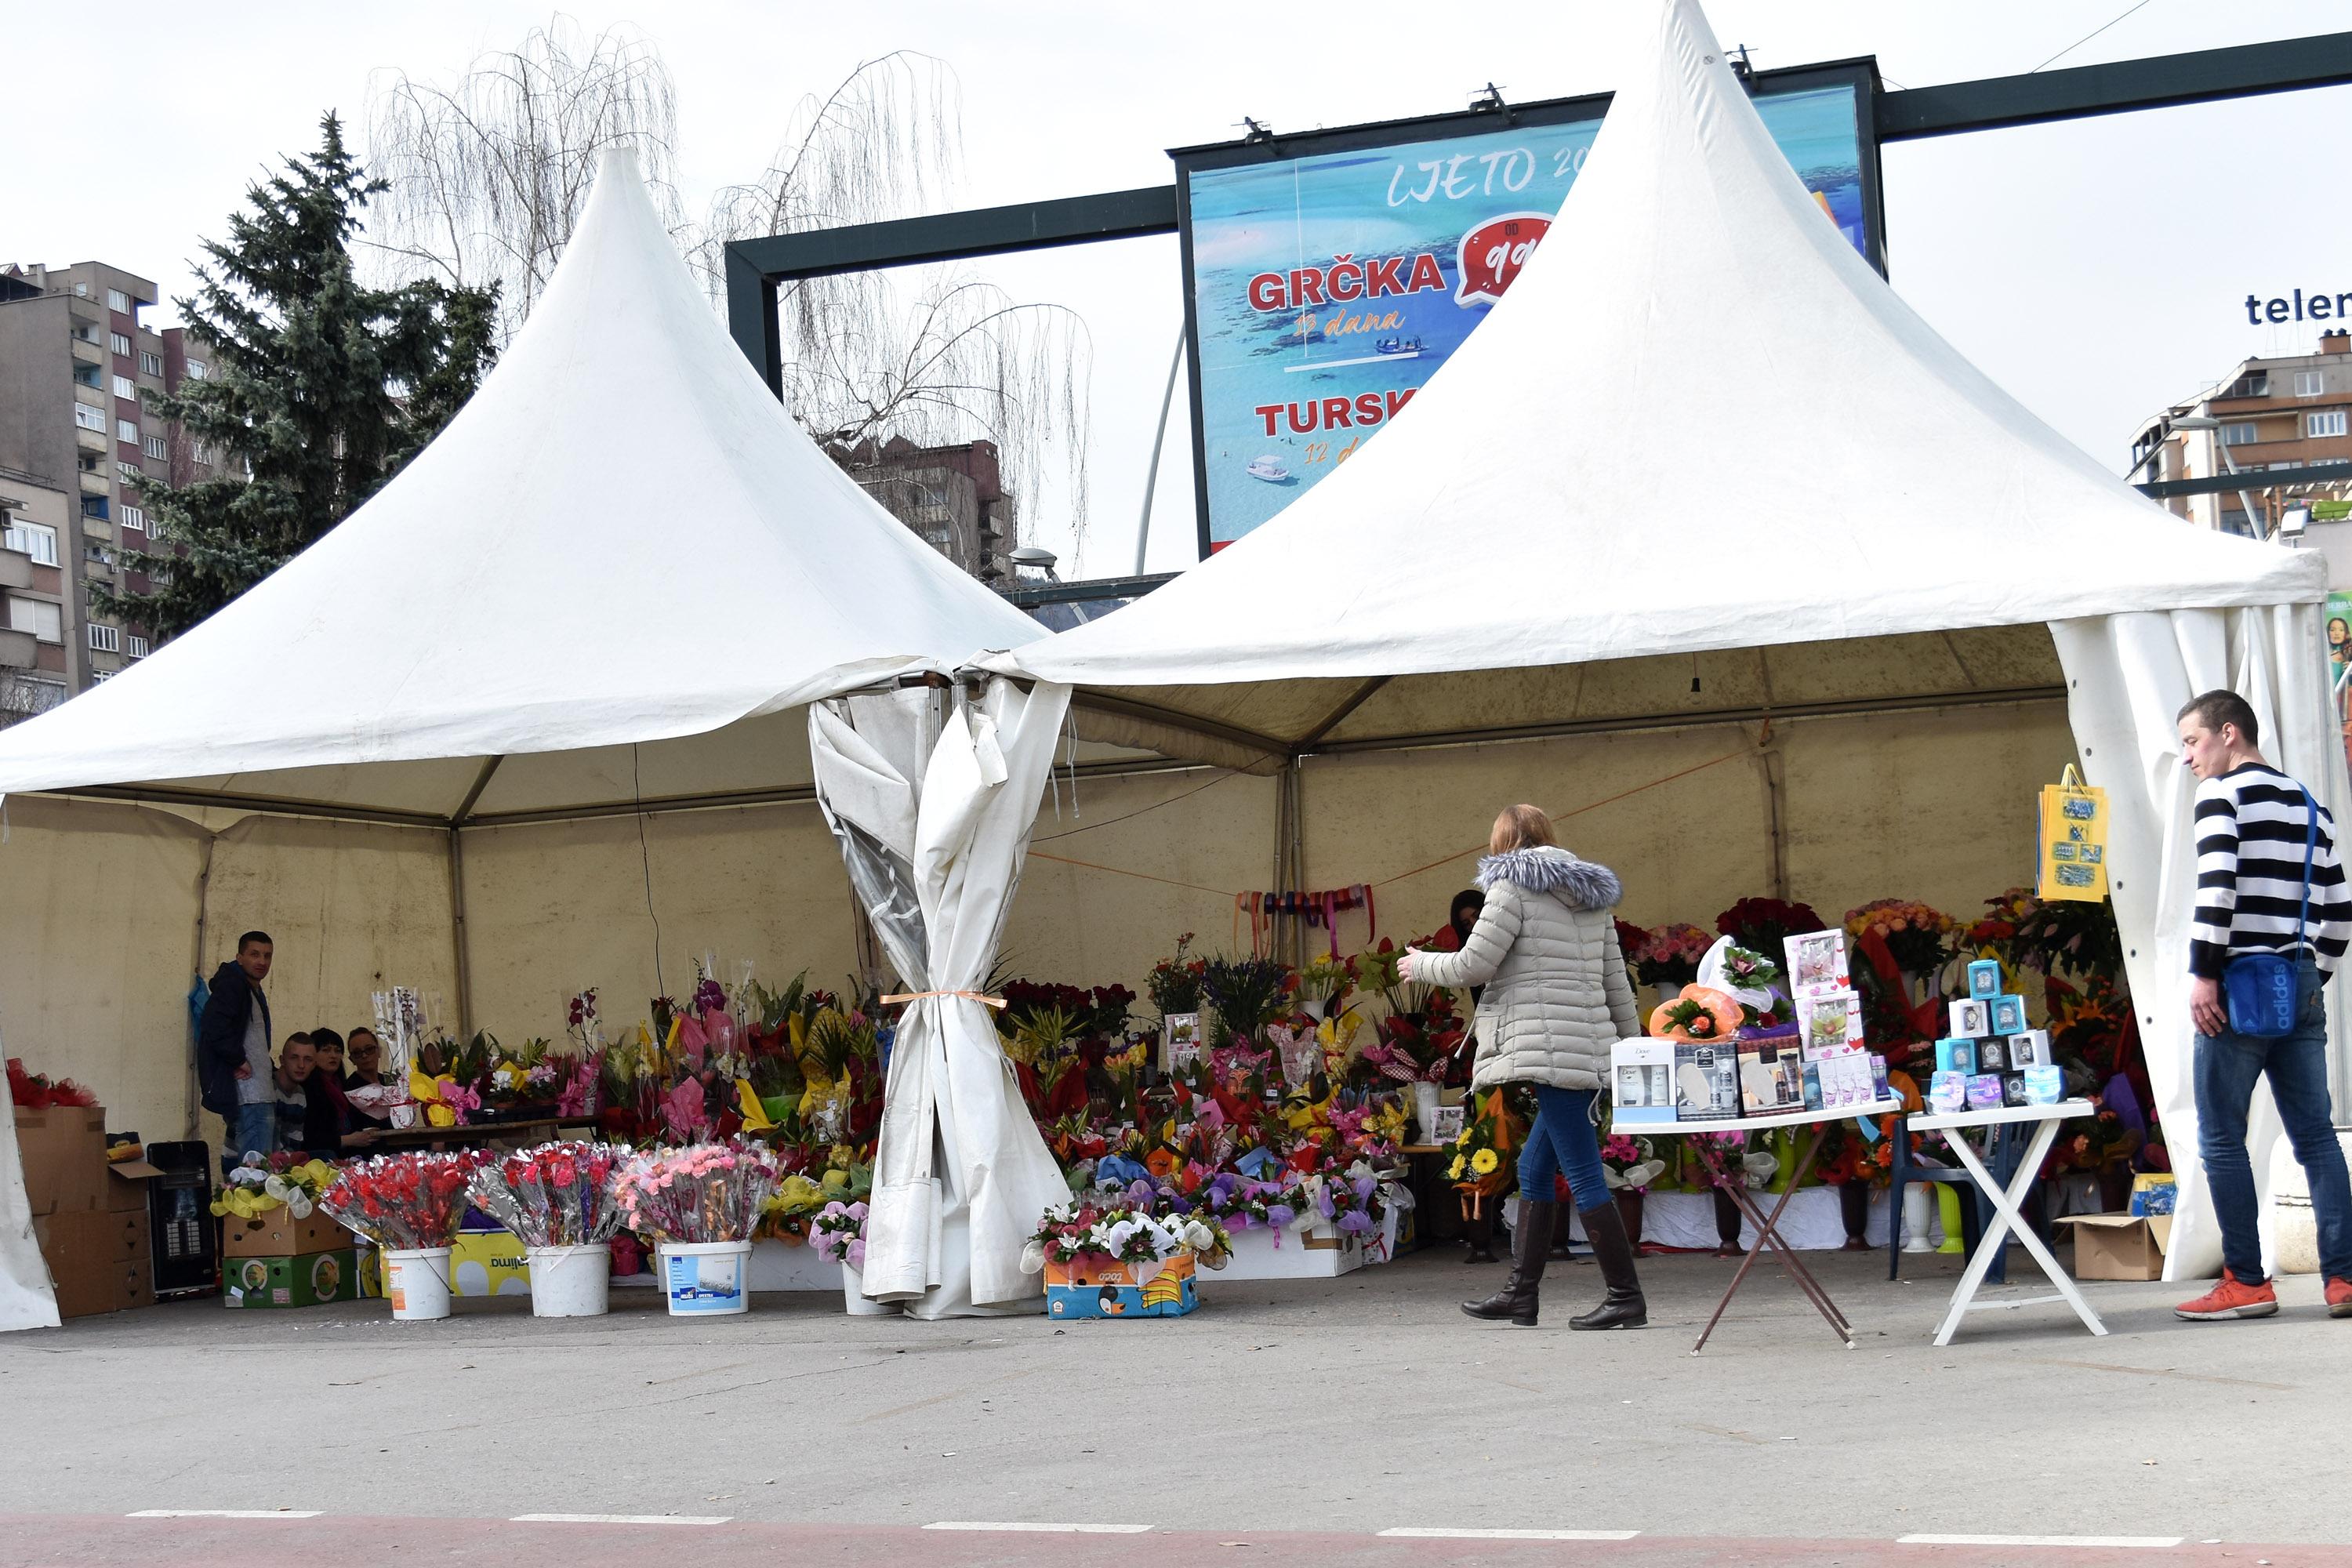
<point>603,588</point>
<point>1700,433</point>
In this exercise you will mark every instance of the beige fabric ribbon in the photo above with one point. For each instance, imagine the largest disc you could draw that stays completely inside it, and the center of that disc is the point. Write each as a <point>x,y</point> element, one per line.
<point>981,998</point>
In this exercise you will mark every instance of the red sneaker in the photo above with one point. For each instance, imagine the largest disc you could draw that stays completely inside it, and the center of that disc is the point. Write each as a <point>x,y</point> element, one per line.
<point>2339,1297</point>
<point>2232,1297</point>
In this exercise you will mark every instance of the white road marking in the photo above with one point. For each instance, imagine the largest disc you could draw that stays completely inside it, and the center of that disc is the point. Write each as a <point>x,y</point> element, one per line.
<point>1043,1528</point>
<point>1416,1534</point>
<point>225,1514</point>
<point>2146,1542</point>
<point>621,1519</point>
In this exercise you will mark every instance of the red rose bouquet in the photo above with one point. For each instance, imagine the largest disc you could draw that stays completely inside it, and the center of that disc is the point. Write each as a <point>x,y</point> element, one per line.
<point>404,1202</point>
<point>558,1195</point>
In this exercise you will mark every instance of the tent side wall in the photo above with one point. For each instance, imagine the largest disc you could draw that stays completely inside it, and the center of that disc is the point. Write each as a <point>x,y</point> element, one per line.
<point>1933,804</point>
<point>554,907</point>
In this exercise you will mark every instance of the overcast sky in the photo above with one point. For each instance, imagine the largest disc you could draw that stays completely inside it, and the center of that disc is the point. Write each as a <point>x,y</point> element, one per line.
<point>2097,270</point>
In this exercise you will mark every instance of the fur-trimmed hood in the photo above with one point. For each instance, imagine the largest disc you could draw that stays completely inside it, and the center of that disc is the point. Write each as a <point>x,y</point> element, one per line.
<point>1544,869</point>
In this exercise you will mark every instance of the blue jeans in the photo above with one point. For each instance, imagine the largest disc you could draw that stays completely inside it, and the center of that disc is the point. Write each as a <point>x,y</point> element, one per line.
<point>2296,1065</point>
<point>1564,1140</point>
<point>254,1128</point>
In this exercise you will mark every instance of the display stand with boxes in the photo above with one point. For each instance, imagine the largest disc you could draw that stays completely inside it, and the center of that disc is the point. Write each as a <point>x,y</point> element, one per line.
<point>90,1217</point>
<point>275,1259</point>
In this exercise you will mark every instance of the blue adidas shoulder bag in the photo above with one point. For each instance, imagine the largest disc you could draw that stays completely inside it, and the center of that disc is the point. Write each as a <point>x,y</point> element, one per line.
<point>2258,988</point>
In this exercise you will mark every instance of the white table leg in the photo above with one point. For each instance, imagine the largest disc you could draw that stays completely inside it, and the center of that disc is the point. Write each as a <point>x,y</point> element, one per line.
<point>2006,1219</point>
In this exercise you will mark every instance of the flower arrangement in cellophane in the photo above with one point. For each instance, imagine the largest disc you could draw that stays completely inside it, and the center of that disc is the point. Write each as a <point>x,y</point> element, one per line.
<point>404,1202</point>
<point>1670,955</point>
<point>557,1194</point>
<point>1124,1231</point>
<point>837,1231</point>
<point>1630,1163</point>
<point>1699,1014</point>
<point>282,1180</point>
<point>1479,1161</point>
<point>702,1192</point>
<point>32,1090</point>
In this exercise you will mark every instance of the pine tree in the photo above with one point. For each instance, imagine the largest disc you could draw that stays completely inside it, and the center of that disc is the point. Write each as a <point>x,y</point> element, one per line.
<point>320,389</point>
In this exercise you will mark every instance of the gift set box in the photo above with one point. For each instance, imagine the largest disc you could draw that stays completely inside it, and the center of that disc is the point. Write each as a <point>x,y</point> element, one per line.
<point>1105,1287</point>
<point>1848,1079</point>
<point>1706,1082</point>
<point>1641,1081</point>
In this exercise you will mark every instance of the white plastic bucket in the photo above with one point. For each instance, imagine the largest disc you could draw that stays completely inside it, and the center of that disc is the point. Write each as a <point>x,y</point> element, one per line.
<point>707,1279</point>
<point>854,1297</point>
<point>418,1283</point>
<point>570,1281</point>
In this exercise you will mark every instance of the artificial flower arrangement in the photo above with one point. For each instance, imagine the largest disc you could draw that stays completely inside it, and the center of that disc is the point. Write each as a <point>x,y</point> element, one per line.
<point>1699,1014</point>
<point>1630,1163</point>
<point>702,1192</point>
<point>282,1180</point>
<point>404,1202</point>
<point>557,1194</point>
<point>837,1231</point>
<point>32,1090</point>
<point>1118,1229</point>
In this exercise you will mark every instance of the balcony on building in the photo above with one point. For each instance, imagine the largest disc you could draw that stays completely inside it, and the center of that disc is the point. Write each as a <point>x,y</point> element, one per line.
<point>18,650</point>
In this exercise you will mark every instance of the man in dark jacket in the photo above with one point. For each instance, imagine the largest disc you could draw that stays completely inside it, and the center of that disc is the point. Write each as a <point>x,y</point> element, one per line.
<point>233,1066</point>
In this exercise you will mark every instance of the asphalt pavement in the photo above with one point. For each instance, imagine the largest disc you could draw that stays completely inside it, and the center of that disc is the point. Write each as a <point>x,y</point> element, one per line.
<point>1356,1420</point>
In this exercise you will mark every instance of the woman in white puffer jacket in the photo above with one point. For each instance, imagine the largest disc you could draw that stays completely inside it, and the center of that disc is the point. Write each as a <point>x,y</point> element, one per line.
<point>1556,998</point>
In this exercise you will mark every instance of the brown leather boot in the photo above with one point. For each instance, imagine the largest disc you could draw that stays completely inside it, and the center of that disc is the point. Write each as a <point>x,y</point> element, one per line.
<point>1530,1242</point>
<point>1624,1307</point>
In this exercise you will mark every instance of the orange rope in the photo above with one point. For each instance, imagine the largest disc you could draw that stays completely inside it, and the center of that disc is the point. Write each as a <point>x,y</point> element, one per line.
<point>1564,816</point>
<point>1122,872</point>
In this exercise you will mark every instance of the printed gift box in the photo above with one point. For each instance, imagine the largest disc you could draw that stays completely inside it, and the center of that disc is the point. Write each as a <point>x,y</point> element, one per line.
<point>1105,1287</point>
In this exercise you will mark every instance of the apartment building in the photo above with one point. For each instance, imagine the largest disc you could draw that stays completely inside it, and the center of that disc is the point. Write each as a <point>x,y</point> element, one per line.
<point>76,368</point>
<point>2268,418</point>
<point>953,498</point>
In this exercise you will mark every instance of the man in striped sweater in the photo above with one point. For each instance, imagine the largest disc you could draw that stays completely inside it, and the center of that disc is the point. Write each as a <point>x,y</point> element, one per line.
<point>2252,827</point>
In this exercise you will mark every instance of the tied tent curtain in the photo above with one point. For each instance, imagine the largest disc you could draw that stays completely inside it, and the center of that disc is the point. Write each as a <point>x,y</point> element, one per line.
<point>932,798</point>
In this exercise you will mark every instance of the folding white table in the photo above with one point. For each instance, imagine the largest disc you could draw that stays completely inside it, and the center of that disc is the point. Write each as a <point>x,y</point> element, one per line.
<point>2005,1202</point>
<point>1766,1231</point>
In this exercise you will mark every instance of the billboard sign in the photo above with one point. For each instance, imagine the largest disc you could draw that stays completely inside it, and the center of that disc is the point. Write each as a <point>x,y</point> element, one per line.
<point>1327,276</point>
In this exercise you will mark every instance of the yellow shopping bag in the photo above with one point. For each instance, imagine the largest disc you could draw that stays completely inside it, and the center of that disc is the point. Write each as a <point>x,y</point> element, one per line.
<point>2073,840</point>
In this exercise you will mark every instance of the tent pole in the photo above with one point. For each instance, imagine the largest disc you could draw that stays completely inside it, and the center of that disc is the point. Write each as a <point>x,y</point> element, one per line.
<point>196,964</point>
<point>1298,854</point>
<point>457,932</point>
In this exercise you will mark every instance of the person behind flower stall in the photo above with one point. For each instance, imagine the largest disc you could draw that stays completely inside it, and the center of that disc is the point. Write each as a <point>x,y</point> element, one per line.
<point>329,1125</point>
<point>1556,998</point>
<point>363,1059</point>
<point>288,1084</point>
<point>233,1052</point>
<point>2253,823</point>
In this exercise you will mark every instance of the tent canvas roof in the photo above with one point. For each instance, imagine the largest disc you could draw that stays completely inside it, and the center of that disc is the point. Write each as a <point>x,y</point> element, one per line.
<point>1697,423</point>
<point>623,538</point>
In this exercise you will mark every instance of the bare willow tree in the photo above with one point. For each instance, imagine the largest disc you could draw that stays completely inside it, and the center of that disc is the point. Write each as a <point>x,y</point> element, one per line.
<point>487,176</point>
<point>951,358</point>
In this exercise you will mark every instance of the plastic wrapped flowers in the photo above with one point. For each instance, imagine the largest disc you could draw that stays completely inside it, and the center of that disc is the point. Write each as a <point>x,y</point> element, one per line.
<point>1072,1232</point>
<point>837,1231</point>
<point>258,1186</point>
<point>404,1202</point>
<point>557,1194</point>
<point>702,1192</point>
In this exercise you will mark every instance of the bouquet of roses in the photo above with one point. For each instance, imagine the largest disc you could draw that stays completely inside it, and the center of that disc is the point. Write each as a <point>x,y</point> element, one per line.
<point>1175,983</point>
<point>837,1231</point>
<point>558,1195</point>
<point>702,1192</point>
<point>266,1181</point>
<point>404,1202</point>
<point>1920,938</point>
<point>1670,955</point>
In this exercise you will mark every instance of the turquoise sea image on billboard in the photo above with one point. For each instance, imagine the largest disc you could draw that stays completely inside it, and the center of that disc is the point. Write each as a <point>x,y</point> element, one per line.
<point>1326,291</point>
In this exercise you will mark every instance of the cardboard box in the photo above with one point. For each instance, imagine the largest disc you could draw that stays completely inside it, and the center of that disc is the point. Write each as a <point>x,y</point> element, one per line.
<point>1100,1289</point>
<point>494,1263</point>
<point>1846,1082</point>
<point>2030,1049</point>
<point>2119,1246</point>
<point>1706,1082</point>
<point>97,1260</point>
<point>1984,978</point>
<point>1642,1073</point>
<point>2008,1015</point>
<point>277,1233</point>
<point>1957,1055</point>
<point>1972,1019</point>
<point>63,1148</point>
<point>305,1280</point>
<point>126,1187</point>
